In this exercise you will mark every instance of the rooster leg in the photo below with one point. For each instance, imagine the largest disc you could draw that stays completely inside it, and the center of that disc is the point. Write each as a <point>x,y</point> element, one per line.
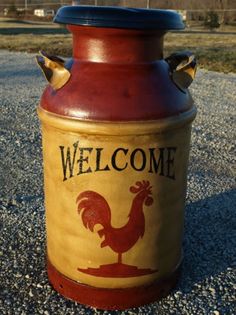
<point>119,258</point>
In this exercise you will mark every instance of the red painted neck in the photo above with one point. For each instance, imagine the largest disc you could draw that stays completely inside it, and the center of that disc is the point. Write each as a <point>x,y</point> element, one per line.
<point>108,45</point>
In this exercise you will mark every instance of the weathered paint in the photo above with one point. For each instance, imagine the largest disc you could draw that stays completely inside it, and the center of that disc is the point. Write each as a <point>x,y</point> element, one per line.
<point>80,166</point>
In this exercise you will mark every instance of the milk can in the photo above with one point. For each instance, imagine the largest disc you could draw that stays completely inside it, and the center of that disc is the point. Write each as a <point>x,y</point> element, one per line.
<point>116,122</point>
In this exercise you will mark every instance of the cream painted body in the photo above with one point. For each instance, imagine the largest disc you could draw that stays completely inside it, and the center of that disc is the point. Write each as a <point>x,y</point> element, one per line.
<point>70,245</point>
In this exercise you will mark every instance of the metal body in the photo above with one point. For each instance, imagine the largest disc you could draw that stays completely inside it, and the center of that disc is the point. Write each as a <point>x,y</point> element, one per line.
<point>116,140</point>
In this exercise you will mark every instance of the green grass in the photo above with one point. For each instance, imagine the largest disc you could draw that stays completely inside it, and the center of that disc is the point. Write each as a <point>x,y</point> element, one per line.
<point>214,51</point>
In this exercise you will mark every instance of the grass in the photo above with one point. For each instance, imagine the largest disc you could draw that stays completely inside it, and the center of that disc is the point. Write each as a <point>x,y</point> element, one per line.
<point>214,51</point>
<point>52,44</point>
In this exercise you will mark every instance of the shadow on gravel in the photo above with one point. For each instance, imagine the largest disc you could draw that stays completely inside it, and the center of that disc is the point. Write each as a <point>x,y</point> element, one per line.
<point>35,30</point>
<point>209,242</point>
<point>186,31</point>
<point>23,22</point>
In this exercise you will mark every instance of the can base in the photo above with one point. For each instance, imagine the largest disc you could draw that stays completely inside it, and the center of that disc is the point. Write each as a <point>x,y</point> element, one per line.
<point>111,299</point>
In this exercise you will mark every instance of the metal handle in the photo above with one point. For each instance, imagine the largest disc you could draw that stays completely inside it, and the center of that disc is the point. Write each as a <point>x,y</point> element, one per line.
<point>183,68</point>
<point>54,70</point>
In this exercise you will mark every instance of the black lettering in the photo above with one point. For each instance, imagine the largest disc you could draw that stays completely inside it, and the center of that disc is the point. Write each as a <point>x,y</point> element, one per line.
<point>113,159</point>
<point>68,163</point>
<point>143,161</point>
<point>170,162</point>
<point>83,159</point>
<point>161,160</point>
<point>98,161</point>
<point>154,163</point>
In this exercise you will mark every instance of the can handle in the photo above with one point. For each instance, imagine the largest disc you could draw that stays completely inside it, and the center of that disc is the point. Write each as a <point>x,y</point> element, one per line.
<point>53,69</point>
<point>182,66</point>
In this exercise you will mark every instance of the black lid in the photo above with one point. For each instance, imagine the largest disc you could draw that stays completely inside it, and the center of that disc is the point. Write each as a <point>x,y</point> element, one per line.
<point>119,17</point>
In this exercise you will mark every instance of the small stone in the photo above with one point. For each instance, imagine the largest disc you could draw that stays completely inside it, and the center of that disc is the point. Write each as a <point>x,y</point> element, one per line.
<point>8,301</point>
<point>13,202</point>
<point>213,291</point>
<point>216,313</point>
<point>31,293</point>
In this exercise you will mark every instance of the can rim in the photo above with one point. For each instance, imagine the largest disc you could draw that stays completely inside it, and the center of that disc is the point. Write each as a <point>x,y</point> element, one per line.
<point>120,17</point>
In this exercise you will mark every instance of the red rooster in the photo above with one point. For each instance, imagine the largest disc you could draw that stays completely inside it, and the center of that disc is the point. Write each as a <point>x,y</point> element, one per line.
<point>94,209</point>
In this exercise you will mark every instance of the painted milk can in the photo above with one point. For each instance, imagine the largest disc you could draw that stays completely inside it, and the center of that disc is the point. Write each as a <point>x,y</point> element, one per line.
<point>116,122</point>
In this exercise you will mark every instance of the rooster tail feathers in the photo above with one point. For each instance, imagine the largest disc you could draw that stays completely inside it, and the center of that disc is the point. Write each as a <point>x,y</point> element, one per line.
<point>93,209</point>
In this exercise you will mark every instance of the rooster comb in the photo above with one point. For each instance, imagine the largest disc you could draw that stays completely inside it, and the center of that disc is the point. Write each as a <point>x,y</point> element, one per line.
<point>144,185</point>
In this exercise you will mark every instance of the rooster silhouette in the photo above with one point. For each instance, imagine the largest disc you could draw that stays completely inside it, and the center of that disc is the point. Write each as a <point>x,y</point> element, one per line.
<point>94,209</point>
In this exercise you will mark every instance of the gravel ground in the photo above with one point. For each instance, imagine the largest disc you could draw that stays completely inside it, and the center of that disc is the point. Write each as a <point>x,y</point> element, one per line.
<point>207,285</point>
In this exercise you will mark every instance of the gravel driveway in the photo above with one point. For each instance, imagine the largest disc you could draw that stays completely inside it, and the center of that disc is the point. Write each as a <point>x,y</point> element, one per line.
<point>207,285</point>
